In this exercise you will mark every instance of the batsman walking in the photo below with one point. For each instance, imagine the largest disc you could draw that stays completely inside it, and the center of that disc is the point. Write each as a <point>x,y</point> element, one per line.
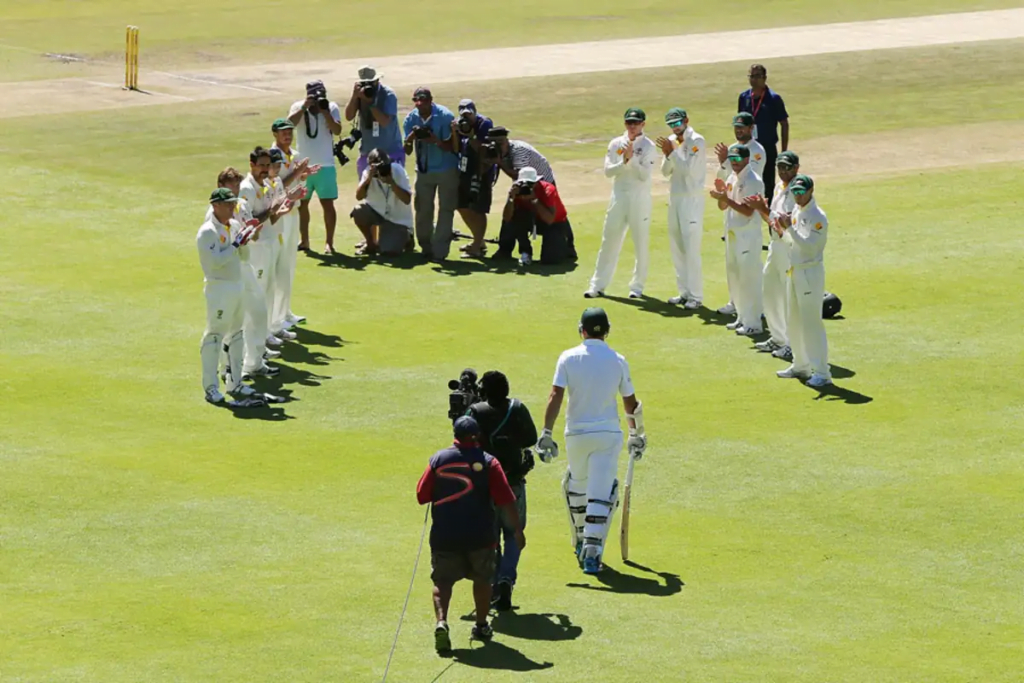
<point>593,373</point>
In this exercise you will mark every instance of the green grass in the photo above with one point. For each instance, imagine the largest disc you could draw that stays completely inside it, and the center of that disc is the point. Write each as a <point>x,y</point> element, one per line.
<point>145,536</point>
<point>191,33</point>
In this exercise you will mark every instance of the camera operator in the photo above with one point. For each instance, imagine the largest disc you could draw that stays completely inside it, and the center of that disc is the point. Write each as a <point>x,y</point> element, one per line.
<point>477,174</point>
<point>428,130</point>
<point>317,120</point>
<point>385,198</point>
<point>377,107</point>
<point>534,208</point>
<point>506,431</point>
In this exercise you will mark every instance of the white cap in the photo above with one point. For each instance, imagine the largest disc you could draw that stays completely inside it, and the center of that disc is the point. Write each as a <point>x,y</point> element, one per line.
<point>528,174</point>
<point>368,73</point>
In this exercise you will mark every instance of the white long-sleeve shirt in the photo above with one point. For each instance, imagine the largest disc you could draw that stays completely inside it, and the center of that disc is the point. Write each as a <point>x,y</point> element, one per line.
<point>757,160</point>
<point>783,202</point>
<point>807,235</point>
<point>258,198</point>
<point>217,254</point>
<point>635,174</point>
<point>686,167</point>
<point>740,186</point>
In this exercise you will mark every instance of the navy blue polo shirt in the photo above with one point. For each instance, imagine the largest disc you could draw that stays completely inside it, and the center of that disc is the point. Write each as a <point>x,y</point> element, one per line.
<point>769,110</point>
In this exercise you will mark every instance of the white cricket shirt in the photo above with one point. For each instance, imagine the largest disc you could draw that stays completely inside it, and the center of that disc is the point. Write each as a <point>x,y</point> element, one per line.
<point>217,255</point>
<point>807,236</point>
<point>594,376</point>
<point>783,202</point>
<point>635,174</point>
<point>739,186</point>
<point>686,167</point>
<point>758,157</point>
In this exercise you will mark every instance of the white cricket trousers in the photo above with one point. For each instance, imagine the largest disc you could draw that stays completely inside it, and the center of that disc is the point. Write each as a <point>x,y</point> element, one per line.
<point>776,290</point>
<point>632,210</point>
<point>223,327</point>
<point>743,274</point>
<point>685,233</point>
<point>806,329</point>
<point>284,274</point>
<point>254,319</point>
<point>593,464</point>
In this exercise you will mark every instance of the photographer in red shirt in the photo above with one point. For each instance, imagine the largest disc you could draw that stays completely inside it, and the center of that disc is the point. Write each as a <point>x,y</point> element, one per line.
<point>534,208</point>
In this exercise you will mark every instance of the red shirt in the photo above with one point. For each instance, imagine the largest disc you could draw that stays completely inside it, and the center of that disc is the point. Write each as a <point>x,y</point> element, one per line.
<point>547,194</point>
<point>497,485</point>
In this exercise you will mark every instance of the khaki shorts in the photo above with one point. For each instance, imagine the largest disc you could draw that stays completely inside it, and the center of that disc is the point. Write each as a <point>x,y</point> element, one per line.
<point>392,237</point>
<point>449,566</point>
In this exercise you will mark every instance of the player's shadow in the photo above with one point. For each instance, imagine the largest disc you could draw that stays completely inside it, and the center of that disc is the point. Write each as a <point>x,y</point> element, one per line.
<point>463,267</point>
<point>545,626</point>
<point>495,655</point>
<point>613,581</point>
<point>309,337</point>
<point>650,305</point>
<point>268,413</point>
<point>338,260</point>
<point>289,374</point>
<point>296,353</point>
<point>833,392</point>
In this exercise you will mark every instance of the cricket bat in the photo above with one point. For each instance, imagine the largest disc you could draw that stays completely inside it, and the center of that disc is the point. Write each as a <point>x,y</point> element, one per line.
<point>626,490</point>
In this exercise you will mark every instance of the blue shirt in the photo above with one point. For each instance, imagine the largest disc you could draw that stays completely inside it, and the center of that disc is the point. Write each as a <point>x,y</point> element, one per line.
<point>430,158</point>
<point>769,110</point>
<point>387,139</point>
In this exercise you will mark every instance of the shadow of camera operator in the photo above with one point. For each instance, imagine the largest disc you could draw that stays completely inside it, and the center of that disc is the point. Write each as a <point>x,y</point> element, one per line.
<point>616,582</point>
<point>546,626</point>
<point>288,375</point>
<point>495,655</point>
<point>310,337</point>
<point>647,304</point>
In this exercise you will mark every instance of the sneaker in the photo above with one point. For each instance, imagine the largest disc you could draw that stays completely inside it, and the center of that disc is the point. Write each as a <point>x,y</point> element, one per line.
<point>790,373</point>
<point>785,353</point>
<point>214,396</point>
<point>592,294</point>
<point>735,324</point>
<point>749,331</point>
<point>296,319</point>
<point>677,300</point>
<point>271,354</point>
<point>692,304</point>
<point>728,309</point>
<point>636,295</point>
<point>525,259</point>
<point>273,340</point>
<point>288,335</point>
<point>243,391</point>
<point>818,380</point>
<point>579,552</point>
<point>591,565</point>
<point>483,632</point>
<point>262,371</point>
<point>503,596</point>
<point>442,640</point>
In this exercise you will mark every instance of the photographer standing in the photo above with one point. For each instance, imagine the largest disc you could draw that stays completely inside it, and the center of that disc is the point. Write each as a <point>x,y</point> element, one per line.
<point>477,174</point>
<point>320,122</point>
<point>506,431</point>
<point>428,130</point>
<point>386,197</point>
<point>534,207</point>
<point>377,107</point>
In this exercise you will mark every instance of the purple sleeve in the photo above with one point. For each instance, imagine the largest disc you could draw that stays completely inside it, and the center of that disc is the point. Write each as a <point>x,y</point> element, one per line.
<point>780,108</point>
<point>485,125</point>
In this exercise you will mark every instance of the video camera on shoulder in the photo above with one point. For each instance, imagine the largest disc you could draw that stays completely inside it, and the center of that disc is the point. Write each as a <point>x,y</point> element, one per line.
<point>354,136</point>
<point>465,391</point>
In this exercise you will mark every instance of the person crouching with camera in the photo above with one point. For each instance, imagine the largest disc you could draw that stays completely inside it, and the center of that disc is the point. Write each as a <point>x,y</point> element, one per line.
<point>317,121</point>
<point>478,171</point>
<point>506,431</point>
<point>534,208</point>
<point>385,202</point>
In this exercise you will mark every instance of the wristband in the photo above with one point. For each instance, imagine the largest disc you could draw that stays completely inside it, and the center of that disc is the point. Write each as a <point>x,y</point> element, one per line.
<point>546,432</point>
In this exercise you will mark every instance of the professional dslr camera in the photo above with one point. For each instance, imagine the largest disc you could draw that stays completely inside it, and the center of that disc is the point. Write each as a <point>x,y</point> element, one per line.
<point>354,136</point>
<point>369,88</point>
<point>420,132</point>
<point>464,126</point>
<point>383,168</point>
<point>523,188</point>
<point>490,151</point>
<point>318,92</point>
<point>465,391</point>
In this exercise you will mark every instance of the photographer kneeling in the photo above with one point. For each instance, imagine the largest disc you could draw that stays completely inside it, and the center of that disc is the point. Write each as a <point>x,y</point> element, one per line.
<point>506,432</point>
<point>534,208</point>
<point>385,198</point>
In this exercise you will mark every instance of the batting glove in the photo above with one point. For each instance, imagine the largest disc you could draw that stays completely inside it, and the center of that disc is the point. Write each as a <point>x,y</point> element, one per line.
<point>636,445</point>
<point>547,449</point>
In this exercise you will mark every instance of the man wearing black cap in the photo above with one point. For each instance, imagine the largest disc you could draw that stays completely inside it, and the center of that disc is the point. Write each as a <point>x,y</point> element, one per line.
<point>593,374</point>
<point>769,114</point>
<point>465,484</point>
<point>742,241</point>
<point>477,175</point>
<point>320,122</point>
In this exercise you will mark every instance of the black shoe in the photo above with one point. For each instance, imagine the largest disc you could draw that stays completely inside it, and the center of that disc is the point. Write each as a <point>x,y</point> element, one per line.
<point>503,596</point>
<point>442,641</point>
<point>483,632</point>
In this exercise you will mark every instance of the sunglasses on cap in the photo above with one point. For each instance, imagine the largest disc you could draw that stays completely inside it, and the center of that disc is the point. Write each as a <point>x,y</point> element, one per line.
<point>784,165</point>
<point>675,124</point>
<point>800,190</point>
<point>737,158</point>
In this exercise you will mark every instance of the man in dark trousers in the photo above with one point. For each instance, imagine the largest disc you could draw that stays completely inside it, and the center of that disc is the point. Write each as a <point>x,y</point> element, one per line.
<point>506,431</point>
<point>465,486</point>
<point>769,116</point>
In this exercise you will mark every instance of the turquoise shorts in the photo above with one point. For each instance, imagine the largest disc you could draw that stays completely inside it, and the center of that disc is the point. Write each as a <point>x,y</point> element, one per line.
<point>324,183</point>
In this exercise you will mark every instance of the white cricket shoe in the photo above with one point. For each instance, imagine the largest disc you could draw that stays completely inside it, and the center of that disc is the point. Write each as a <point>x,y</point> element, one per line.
<point>296,319</point>
<point>818,380</point>
<point>767,346</point>
<point>728,309</point>
<point>214,396</point>
<point>749,331</point>
<point>592,294</point>
<point>270,354</point>
<point>243,391</point>
<point>288,335</point>
<point>677,300</point>
<point>692,304</point>
<point>790,373</point>
<point>785,353</point>
<point>636,295</point>
<point>734,325</point>
<point>273,340</point>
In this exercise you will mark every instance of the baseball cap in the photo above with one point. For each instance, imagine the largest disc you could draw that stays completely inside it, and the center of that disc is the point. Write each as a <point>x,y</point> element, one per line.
<point>528,174</point>
<point>675,114</point>
<point>222,194</point>
<point>741,151</point>
<point>467,105</point>
<point>281,124</point>
<point>787,159</point>
<point>595,322</point>
<point>466,426</point>
<point>276,156</point>
<point>744,118</point>
<point>635,114</point>
<point>315,86</point>
<point>801,184</point>
<point>368,73</point>
<point>422,94</point>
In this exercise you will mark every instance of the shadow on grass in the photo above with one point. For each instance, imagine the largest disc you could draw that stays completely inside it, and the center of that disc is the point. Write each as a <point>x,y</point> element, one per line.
<point>288,375</point>
<point>616,582</point>
<point>269,413</point>
<point>296,353</point>
<point>544,626</point>
<point>310,337</point>
<point>469,266</point>
<point>495,655</point>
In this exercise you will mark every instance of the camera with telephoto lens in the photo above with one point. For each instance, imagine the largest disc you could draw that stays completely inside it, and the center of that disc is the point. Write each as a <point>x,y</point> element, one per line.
<point>369,88</point>
<point>465,391</point>
<point>420,133</point>
<point>354,136</point>
<point>523,188</point>
<point>319,94</point>
<point>464,126</point>
<point>383,168</point>
<point>490,151</point>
